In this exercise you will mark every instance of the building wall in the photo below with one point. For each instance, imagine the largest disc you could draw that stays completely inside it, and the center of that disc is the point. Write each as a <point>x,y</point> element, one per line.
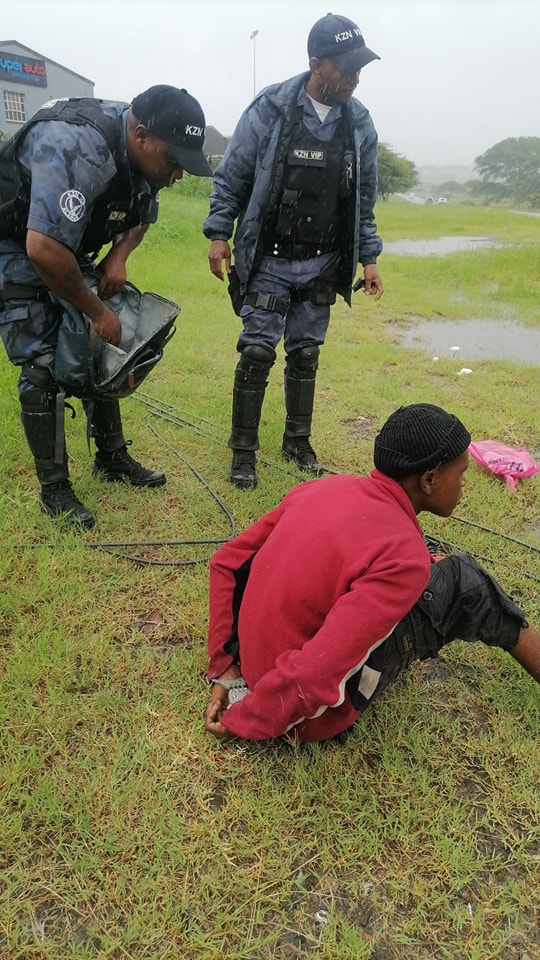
<point>29,79</point>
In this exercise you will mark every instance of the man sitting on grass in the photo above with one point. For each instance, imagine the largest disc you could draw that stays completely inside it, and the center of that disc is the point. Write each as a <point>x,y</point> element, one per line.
<point>323,602</point>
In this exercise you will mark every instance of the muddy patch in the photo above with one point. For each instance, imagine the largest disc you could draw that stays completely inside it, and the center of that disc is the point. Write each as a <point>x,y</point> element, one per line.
<point>154,630</point>
<point>363,427</point>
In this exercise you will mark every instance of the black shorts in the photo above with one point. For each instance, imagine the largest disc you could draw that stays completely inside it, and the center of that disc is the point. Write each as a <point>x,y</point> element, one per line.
<point>462,601</point>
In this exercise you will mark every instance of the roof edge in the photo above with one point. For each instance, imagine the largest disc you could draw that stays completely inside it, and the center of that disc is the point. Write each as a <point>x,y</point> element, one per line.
<point>42,56</point>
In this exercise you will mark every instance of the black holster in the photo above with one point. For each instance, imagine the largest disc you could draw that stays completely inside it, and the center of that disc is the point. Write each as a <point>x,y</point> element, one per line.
<point>237,299</point>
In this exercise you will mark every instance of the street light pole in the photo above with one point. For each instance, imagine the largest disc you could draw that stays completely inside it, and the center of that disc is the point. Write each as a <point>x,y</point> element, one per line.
<point>253,36</point>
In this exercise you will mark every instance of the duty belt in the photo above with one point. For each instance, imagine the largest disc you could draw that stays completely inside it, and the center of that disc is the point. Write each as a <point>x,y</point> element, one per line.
<point>292,250</point>
<point>269,302</point>
<point>20,291</point>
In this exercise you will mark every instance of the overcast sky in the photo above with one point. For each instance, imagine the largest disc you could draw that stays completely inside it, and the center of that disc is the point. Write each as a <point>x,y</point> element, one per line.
<point>455,76</point>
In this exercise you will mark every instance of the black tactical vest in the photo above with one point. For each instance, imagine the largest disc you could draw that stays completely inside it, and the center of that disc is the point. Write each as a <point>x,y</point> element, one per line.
<point>313,189</point>
<point>114,212</point>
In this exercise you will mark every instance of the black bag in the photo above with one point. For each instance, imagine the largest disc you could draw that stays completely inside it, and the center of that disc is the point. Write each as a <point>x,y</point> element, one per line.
<point>88,368</point>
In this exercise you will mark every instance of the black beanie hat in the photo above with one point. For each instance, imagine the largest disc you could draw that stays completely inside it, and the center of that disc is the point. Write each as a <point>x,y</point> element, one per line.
<point>418,438</point>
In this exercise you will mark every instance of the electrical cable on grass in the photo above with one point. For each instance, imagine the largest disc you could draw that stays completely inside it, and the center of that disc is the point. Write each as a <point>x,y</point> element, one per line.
<point>169,413</point>
<point>113,547</point>
<point>165,411</point>
<point>436,544</point>
<point>503,536</point>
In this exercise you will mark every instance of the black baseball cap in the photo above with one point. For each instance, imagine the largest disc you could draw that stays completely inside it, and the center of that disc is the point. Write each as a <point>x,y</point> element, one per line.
<point>176,117</point>
<point>339,39</point>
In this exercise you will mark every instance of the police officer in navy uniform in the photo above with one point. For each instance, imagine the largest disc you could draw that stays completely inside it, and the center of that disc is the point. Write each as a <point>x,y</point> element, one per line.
<point>299,178</point>
<point>78,175</point>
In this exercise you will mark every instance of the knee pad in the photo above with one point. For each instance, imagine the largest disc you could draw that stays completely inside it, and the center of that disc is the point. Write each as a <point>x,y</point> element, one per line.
<point>254,364</point>
<point>260,353</point>
<point>37,388</point>
<point>306,359</point>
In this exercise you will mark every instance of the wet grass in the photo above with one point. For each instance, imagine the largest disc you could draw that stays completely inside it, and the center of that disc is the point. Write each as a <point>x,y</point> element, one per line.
<point>126,831</point>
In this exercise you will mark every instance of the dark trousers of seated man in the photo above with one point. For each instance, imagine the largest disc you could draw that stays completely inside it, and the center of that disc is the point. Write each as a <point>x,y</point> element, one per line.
<point>462,601</point>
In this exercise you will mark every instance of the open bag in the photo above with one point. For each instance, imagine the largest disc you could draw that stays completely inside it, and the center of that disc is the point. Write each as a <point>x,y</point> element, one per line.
<point>87,367</point>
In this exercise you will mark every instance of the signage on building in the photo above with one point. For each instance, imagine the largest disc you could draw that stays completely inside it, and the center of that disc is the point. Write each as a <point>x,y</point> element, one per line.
<point>22,69</point>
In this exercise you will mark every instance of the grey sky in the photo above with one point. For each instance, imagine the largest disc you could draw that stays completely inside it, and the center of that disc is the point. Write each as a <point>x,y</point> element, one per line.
<point>455,76</point>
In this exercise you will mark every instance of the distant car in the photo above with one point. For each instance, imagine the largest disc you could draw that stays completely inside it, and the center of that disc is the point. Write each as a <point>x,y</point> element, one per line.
<point>442,200</point>
<point>429,199</point>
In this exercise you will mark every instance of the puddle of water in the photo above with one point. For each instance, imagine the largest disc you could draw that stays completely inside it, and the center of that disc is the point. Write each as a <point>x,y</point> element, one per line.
<point>476,339</point>
<point>441,246</point>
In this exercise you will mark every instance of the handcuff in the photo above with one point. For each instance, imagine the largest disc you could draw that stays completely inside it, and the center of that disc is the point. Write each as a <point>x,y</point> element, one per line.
<point>237,684</point>
<point>237,689</point>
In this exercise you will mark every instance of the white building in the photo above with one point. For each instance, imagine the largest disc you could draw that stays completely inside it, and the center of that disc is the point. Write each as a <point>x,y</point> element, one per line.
<point>28,80</point>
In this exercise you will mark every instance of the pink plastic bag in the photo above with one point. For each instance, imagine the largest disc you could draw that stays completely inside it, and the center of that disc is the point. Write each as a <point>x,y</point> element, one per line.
<point>512,464</point>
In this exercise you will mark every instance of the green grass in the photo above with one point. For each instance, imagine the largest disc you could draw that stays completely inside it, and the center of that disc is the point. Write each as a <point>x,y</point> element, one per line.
<point>126,831</point>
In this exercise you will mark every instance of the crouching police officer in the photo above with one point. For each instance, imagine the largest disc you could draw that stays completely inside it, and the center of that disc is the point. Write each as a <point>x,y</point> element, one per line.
<point>300,178</point>
<point>80,174</point>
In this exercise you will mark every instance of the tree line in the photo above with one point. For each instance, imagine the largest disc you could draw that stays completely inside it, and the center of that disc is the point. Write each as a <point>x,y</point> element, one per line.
<point>509,172</point>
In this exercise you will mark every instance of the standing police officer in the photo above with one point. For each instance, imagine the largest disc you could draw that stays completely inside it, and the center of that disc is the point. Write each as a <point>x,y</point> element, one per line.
<point>300,178</point>
<point>78,175</point>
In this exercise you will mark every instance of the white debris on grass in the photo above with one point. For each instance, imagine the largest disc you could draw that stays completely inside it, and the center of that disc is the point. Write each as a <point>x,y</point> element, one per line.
<point>322,918</point>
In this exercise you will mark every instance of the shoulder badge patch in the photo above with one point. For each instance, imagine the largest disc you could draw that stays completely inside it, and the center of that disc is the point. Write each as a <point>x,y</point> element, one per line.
<point>73,205</point>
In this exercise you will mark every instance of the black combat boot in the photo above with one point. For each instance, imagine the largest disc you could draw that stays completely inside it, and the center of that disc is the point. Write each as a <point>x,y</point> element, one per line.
<point>300,373</point>
<point>300,451</point>
<point>43,428</point>
<point>243,473</point>
<point>250,379</point>
<point>118,466</point>
<point>113,462</point>
<point>58,500</point>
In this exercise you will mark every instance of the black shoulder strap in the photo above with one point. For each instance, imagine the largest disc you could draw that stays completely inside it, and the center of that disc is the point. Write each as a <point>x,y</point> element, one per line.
<point>14,190</point>
<point>77,110</point>
<point>81,110</point>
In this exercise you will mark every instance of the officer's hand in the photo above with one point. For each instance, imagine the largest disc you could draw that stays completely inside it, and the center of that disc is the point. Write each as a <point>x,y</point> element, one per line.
<point>373,285</point>
<point>112,275</point>
<point>219,251</point>
<point>108,326</point>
